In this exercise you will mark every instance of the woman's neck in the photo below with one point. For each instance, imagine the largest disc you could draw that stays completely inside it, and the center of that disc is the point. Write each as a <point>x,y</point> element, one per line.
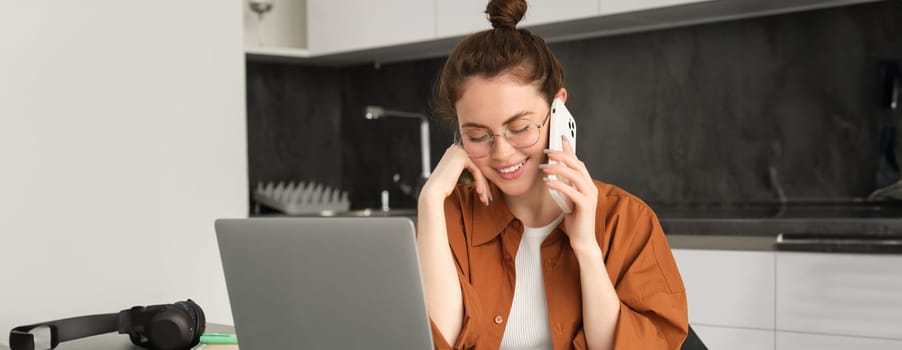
<point>534,208</point>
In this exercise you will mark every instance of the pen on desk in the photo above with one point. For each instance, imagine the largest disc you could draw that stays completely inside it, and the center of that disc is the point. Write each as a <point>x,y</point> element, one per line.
<point>218,338</point>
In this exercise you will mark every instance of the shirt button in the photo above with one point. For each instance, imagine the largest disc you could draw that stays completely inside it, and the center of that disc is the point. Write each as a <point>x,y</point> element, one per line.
<point>499,319</point>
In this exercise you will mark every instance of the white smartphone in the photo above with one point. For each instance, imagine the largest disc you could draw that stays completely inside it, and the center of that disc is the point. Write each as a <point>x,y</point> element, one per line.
<point>561,125</point>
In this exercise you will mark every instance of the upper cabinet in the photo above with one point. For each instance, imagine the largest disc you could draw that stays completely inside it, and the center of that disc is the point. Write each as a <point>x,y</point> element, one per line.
<point>459,17</point>
<point>341,32</point>
<point>335,26</point>
<point>551,11</point>
<point>611,7</point>
<point>281,31</point>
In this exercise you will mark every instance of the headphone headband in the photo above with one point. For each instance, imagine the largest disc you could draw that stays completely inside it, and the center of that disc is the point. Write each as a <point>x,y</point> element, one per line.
<point>148,326</point>
<point>64,330</point>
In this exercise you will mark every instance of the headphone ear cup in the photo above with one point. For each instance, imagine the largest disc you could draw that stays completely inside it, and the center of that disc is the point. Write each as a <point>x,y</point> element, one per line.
<point>197,316</point>
<point>170,329</point>
<point>166,327</point>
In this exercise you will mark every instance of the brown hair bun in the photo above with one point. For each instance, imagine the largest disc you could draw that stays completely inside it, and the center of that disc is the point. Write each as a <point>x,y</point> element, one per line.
<point>505,13</point>
<point>503,49</point>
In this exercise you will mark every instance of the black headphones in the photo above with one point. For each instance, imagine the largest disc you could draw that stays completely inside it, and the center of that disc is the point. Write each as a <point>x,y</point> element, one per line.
<point>157,327</point>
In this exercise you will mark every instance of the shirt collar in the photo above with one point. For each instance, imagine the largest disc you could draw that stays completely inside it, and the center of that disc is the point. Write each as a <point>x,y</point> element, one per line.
<point>489,221</point>
<point>496,217</point>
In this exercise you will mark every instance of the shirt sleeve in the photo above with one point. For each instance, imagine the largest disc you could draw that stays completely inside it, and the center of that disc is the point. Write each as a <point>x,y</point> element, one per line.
<point>638,330</point>
<point>457,240</point>
<point>653,310</point>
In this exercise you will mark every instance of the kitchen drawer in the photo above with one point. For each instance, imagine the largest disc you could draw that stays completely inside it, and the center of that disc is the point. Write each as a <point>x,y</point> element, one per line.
<point>728,288</point>
<point>840,294</point>
<point>735,338</point>
<point>795,341</point>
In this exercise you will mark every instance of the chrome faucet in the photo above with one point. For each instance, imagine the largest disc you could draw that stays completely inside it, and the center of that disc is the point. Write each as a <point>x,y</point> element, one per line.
<point>376,112</point>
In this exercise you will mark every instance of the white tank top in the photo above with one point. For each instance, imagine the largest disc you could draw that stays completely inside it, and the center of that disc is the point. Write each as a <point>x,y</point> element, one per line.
<point>527,325</point>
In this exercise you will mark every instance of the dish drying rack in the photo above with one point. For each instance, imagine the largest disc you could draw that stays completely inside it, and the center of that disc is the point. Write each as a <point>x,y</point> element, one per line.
<point>301,198</point>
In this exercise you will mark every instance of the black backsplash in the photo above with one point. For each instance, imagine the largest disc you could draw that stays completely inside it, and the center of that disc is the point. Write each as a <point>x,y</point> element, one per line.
<point>293,124</point>
<point>726,112</point>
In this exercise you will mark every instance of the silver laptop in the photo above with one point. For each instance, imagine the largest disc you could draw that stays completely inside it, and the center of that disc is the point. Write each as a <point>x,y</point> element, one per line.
<point>324,283</point>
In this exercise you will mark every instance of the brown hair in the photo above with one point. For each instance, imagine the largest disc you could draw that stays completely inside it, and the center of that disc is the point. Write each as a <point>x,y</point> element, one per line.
<point>502,49</point>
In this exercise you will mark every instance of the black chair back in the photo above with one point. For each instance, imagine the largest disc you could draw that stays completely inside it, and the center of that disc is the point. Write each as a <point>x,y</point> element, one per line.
<point>693,342</point>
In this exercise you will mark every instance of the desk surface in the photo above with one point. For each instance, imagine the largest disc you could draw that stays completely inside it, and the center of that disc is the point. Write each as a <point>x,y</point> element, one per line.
<point>115,341</point>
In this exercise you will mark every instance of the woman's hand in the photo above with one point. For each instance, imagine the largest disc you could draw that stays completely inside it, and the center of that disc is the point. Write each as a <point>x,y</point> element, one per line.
<point>445,175</point>
<point>582,191</point>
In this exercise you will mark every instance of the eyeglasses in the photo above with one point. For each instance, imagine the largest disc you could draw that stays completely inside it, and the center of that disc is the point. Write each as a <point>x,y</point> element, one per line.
<point>520,133</point>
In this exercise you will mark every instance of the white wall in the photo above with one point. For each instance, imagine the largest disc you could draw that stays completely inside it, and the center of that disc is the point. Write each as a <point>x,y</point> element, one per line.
<point>122,137</point>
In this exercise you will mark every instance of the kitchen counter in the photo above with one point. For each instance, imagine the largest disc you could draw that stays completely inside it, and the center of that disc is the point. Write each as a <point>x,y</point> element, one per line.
<point>815,227</point>
<point>774,218</point>
<point>847,227</point>
<point>771,219</point>
<point>773,226</point>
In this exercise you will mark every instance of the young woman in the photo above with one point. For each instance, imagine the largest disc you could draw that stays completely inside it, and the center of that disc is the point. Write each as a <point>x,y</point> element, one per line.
<point>503,266</point>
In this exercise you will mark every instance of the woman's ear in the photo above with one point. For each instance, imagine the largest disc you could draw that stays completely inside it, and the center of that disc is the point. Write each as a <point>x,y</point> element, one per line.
<point>562,95</point>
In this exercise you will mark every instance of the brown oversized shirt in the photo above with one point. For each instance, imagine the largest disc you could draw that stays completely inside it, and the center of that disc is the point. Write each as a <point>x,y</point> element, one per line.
<point>484,242</point>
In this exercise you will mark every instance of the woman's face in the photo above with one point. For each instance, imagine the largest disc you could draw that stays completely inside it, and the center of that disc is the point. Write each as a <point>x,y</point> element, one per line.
<point>492,105</point>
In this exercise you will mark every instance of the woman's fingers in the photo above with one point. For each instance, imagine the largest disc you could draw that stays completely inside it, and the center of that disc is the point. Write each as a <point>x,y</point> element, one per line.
<point>569,159</point>
<point>446,173</point>
<point>482,184</point>
<point>463,161</point>
<point>568,167</point>
<point>576,178</point>
<point>568,148</point>
<point>571,192</point>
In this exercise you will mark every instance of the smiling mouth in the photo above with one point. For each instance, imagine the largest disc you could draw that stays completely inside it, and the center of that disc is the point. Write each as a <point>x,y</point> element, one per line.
<point>512,168</point>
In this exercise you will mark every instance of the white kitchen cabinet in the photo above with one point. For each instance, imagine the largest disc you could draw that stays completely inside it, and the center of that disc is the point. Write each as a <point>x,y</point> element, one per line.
<point>335,26</point>
<point>735,338</point>
<point>795,341</point>
<point>460,17</point>
<point>364,31</point>
<point>760,299</point>
<point>730,295</point>
<point>610,7</point>
<point>728,288</point>
<point>550,11</point>
<point>282,30</point>
<point>674,13</point>
<point>840,294</point>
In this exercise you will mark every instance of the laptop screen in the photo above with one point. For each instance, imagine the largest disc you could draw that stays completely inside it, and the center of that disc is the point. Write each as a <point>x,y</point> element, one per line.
<point>316,283</point>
